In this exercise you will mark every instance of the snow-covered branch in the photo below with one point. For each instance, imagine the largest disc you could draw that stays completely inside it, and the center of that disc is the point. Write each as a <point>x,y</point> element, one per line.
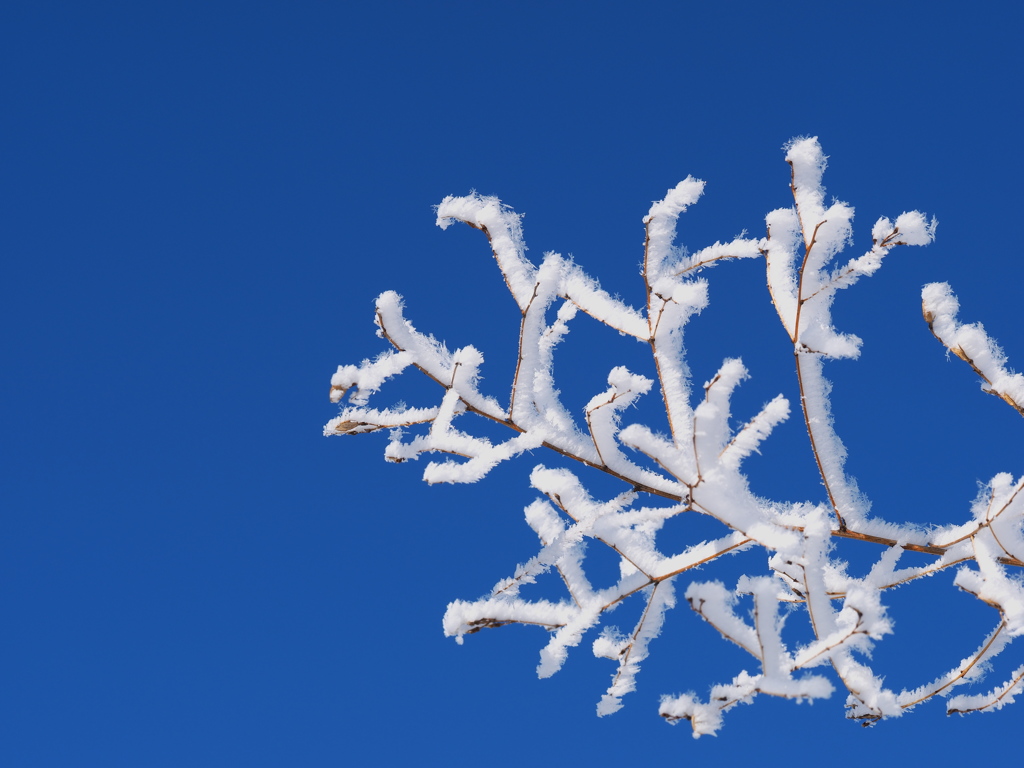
<point>690,465</point>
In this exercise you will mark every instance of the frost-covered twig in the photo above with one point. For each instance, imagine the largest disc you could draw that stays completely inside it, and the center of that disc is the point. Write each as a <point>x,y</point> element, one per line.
<point>971,344</point>
<point>696,462</point>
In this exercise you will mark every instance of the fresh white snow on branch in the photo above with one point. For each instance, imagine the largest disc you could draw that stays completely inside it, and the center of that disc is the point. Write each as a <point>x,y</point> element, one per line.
<point>690,464</point>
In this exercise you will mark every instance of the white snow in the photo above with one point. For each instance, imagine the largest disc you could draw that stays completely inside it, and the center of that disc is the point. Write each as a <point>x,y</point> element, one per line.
<point>696,468</point>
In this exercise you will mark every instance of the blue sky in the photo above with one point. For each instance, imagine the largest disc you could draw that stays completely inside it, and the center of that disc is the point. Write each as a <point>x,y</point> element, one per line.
<point>202,201</point>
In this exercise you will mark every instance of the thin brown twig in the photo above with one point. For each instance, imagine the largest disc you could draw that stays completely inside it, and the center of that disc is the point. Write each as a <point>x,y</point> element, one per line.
<point>1013,683</point>
<point>626,652</point>
<point>959,352</point>
<point>965,670</point>
<point>814,445</point>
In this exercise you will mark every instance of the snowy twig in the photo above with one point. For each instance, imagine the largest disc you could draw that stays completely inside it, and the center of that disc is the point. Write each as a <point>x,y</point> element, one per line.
<point>696,460</point>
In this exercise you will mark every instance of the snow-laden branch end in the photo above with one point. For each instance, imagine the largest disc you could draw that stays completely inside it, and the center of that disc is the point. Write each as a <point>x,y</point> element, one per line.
<point>691,464</point>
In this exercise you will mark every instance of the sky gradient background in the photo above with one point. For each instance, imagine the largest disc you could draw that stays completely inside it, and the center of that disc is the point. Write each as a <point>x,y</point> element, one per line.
<point>202,201</point>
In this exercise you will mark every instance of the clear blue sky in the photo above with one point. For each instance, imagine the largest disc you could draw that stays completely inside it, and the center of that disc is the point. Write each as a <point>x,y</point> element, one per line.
<point>201,202</point>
